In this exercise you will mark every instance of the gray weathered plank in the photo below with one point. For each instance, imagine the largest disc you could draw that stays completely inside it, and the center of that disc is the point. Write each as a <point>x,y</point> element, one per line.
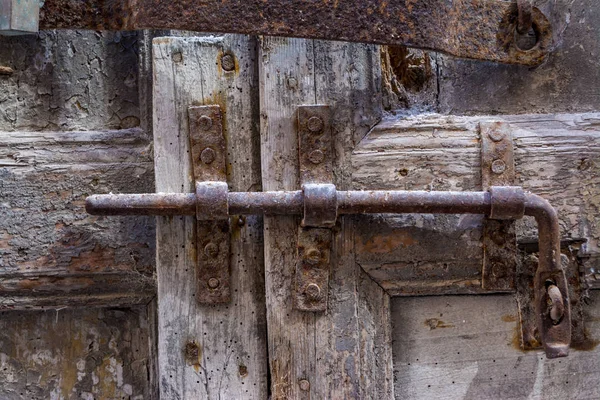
<point>556,156</point>
<point>321,355</point>
<point>208,351</point>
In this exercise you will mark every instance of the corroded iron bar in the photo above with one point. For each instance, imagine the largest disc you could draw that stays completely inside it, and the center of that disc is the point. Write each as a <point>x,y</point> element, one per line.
<point>477,29</point>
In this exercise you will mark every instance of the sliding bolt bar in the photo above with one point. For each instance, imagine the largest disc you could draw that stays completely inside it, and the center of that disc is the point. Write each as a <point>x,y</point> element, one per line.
<point>554,320</point>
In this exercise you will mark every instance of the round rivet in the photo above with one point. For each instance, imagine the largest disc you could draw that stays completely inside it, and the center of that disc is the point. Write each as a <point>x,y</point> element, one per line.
<point>207,156</point>
<point>211,250</point>
<point>316,156</point>
<point>177,57</point>
<point>205,122</point>
<point>313,292</point>
<point>498,270</point>
<point>496,135</point>
<point>313,256</point>
<point>213,283</point>
<point>304,385</point>
<point>314,124</point>
<point>227,62</point>
<point>498,167</point>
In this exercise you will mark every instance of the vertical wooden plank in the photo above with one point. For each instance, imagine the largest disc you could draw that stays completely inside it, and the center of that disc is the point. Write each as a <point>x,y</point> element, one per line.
<point>208,351</point>
<point>318,355</point>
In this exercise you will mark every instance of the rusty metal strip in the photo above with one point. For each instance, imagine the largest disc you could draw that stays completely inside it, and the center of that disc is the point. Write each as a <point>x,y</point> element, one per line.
<point>314,239</point>
<point>208,151</point>
<point>499,237</point>
<point>477,29</point>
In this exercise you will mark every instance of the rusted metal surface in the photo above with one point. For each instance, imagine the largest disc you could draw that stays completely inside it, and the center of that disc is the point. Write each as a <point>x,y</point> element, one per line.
<point>524,18</point>
<point>320,207</point>
<point>18,17</point>
<point>555,334</point>
<point>208,152</point>
<point>477,29</point>
<point>499,237</point>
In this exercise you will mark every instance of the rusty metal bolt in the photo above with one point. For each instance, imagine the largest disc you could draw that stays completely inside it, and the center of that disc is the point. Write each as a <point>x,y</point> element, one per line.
<point>498,167</point>
<point>205,122</point>
<point>313,256</point>
<point>313,292</point>
<point>208,155</point>
<point>227,62</point>
<point>211,250</point>
<point>177,57</point>
<point>496,135</point>
<point>314,124</point>
<point>316,156</point>
<point>213,283</point>
<point>304,385</point>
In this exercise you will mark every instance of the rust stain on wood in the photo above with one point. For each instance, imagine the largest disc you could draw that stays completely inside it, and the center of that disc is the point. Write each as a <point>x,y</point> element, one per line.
<point>434,323</point>
<point>386,243</point>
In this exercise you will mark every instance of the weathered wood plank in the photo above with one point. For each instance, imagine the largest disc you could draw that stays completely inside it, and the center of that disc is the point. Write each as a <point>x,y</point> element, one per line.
<point>467,347</point>
<point>321,355</point>
<point>208,351</point>
<point>51,250</point>
<point>556,156</point>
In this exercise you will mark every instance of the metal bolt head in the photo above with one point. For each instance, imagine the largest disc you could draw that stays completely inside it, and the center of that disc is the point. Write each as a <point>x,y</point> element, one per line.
<point>313,292</point>
<point>304,385</point>
<point>211,250</point>
<point>313,256</point>
<point>208,155</point>
<point>316,156</point>
<point>205,122</point>
<point>213,283</point>
<point>315,124</point>
<point>496,135</point>
<point>227,62</point>
<point>498,167</point>
<point>177,57</point>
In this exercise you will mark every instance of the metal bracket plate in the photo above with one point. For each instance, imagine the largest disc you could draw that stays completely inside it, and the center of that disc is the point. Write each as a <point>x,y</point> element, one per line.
<point>499,237</point>
<point>314,237</point>
<point>208,151</point>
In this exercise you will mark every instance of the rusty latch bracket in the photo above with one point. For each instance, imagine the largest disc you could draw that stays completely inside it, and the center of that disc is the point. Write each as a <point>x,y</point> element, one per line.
<point>499,237</point>
<point>320,208</point>
<point>208,150</point>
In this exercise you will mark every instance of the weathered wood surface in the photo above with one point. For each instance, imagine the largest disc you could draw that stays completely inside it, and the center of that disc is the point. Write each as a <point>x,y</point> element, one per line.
<point>52,253</point>
<point>208,351</point>
<point>330,354</point>
<point>467,347</point>
<point>76,354</point>
<point>556,156</point>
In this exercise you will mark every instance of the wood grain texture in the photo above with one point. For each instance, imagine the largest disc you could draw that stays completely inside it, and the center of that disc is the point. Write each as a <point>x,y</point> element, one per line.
<point>52,253</point>
<point>467,347</point>
<point>208,351</point>
<point>556,156</point>
<point>319,355</point>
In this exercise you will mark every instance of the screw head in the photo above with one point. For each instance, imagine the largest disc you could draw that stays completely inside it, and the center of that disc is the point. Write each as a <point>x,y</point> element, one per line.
<point>313,292</point>
<point>205,122</point>
<point>211,250</point>
<point>316,156</point>
<point>304,385</point>
<point>496,135</point>
<point>227,62</point>
<point>498,167</point>
<point>315,124</point>
<point>313,256</point>
<point>208,155</point>
<point>213,283</point>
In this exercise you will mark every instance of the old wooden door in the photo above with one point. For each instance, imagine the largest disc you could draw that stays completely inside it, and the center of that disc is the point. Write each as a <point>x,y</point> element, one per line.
<point>407,316</point>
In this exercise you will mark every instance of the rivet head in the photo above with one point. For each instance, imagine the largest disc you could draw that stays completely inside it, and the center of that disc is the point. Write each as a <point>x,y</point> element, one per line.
<point>313,256</point>
<point>227,62</point>
<point>316,156</point>
<point>205,122</point>
<point>304,385</point>
<point>213,283</point>
<point>211,250</point>
<point>496,135</point>
<point>207,156</point>
<point>498,167</point>
<point>314,124</point>
<point>313,292</point>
